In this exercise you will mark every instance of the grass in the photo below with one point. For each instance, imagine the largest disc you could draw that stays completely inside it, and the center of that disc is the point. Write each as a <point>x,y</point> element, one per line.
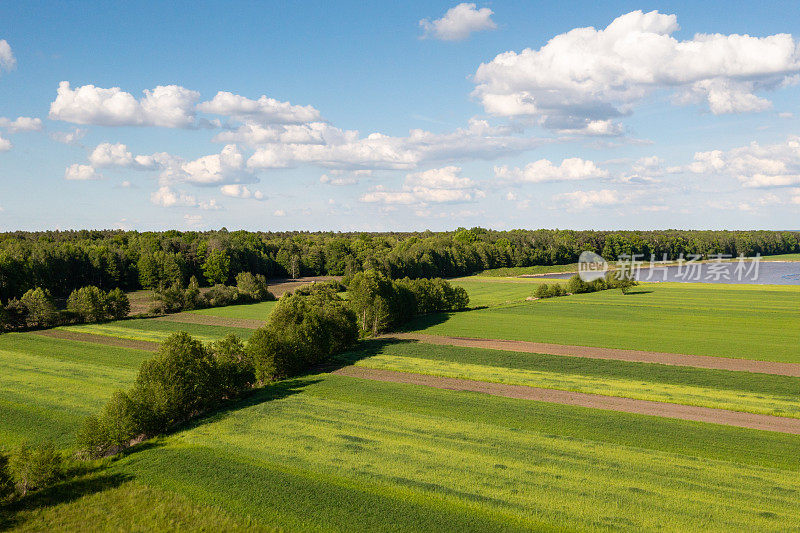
<point>527,271</point>
<point>738,391</point>
<point>143,329</point>
<point>103,502</point>
<point>343,453</point>
<point>498,291</point>
<point>48,385</point>
<point>742,321</point>
<point>781,257</point>
<point>257,311</point>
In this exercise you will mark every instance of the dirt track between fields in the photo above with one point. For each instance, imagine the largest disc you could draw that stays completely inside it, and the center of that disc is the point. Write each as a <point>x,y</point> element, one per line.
<point>208,320</point>
<point>595,401</point>
<point>98,339</point>
<point>638,356</point>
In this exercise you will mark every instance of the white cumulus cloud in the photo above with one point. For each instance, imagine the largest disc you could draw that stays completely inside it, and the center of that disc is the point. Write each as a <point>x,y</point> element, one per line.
<point>264,110</point>
<point>69,137</point>
<point>21,124</point>
<point>458,23</point>
<point>588,75</point>
<point>81,173</point>
<point>235,190</point>
<point>5,145</point>
<point>544,170</point>
<point>438,185</point>
<point>168,106</point>
<point>167,197</point>
<point>579,200</point>
<point>754,165</point>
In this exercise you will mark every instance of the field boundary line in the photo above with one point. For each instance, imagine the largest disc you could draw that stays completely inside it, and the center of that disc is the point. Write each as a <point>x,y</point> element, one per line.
<point>582,399</point>
<point>636,356</point>
<point>211,320</point>
<point>149,346</point>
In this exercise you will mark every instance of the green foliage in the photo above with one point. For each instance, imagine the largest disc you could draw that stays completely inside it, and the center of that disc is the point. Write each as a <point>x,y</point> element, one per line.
<point>217,267</point>
<point>221,295</point>
<point>304,329</point>
<point>253,287</point>
<point>380,303</point>
<point>92,304</point>
<point>40,307</point>
<point>35,467</point>
<point>235,369</point>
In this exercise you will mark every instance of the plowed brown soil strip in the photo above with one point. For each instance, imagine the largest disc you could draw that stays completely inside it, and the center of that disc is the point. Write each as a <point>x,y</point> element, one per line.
<point>98,339</point>
<point>700,361</point>
<point>208,320</point>
<point>595,401</point>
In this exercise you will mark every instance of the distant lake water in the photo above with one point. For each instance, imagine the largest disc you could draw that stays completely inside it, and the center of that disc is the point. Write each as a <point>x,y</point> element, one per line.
<point>768,273</point>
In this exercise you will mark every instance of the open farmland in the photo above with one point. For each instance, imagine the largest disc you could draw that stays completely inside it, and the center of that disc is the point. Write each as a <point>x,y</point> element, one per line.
<point>331,451</point>
<point>741,321</point>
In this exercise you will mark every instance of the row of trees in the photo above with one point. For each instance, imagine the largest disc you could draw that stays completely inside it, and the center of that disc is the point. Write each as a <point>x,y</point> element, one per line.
<point>37,308</point>
<point>575,285</point>
<point>381,303</point>
<point>187,378</point>
<point>249,288</point>
<point>63,261</point>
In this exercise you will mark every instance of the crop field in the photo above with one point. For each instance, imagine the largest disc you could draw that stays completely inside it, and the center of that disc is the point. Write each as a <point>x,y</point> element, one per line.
<point>352,454</point>
<point>720,389</point>
<point>48,385</point>
<point>143,329</point>
<point>333,452</point>
<point>742,321</point>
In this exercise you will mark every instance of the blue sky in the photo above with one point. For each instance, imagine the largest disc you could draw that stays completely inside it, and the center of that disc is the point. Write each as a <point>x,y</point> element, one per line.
<point>392,117</point>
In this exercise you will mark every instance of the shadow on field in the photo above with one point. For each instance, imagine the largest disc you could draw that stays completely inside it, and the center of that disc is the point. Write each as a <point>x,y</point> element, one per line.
<point>426,321</point>
<point>638,291</point>
<point>366,348</point>
<point>59,494</point>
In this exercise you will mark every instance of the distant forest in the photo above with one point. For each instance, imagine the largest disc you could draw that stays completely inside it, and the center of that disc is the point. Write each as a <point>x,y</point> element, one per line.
<point>61,261</point>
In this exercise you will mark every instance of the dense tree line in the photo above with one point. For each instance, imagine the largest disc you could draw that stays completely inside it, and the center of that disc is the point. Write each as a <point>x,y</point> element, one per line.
<point>38,309</point>
<point>575,285</point>
<point>63,261</point>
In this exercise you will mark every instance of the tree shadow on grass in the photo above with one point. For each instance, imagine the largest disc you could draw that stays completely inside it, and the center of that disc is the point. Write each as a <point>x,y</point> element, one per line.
<point>61,493</point>
<point>638,291</point>
<point>363,350</point>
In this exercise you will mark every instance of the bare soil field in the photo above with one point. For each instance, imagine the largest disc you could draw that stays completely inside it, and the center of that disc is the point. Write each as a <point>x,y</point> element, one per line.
<point>699,361</point>
<point>595,401</point>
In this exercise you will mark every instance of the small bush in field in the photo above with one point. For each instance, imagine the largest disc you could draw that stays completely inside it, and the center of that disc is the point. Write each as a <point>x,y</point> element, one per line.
<point>36,467</point>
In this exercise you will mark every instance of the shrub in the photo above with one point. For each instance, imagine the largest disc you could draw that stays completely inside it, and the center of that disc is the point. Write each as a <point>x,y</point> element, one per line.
<point>221,295</point>
<point>253,287</point>
<point>40,306</point>
<point>35,467</point>
<point>170,299</point>
<point>16,314</point>
<point>117,304</point>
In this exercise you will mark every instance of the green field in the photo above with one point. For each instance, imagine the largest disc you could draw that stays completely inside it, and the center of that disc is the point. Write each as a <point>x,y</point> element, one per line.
<point>333,452</point>
<point>498,291</point>
<point>258,311</point>
<point>48,385</point>
<point>720,389</point>
<point>143,329</point>
<point>743,321</point>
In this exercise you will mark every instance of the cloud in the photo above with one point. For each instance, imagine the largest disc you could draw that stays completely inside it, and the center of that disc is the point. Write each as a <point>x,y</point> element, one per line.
<point>81,172</point>
<point>587,75</point>
<point>226,167</point>
<point>579,200</point>
<point>167,197</point>
<point>347,151</point>
<point>69,137</point>
<point>168,106</point>
<point>438,185</point>
<point>754,165</point>
<point>21,124</point>
<point>543,170</point>
<point>240,191</point>
<point>264,110</point>
<point>279,213</point>
<point>7,59</point>
<point>458,23</point>
<point>5,145</point>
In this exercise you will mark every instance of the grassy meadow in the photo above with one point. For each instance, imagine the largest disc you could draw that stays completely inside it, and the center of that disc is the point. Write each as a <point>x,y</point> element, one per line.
<point>257,311</point>
<point>143,329</point>
<point>741,321</point>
